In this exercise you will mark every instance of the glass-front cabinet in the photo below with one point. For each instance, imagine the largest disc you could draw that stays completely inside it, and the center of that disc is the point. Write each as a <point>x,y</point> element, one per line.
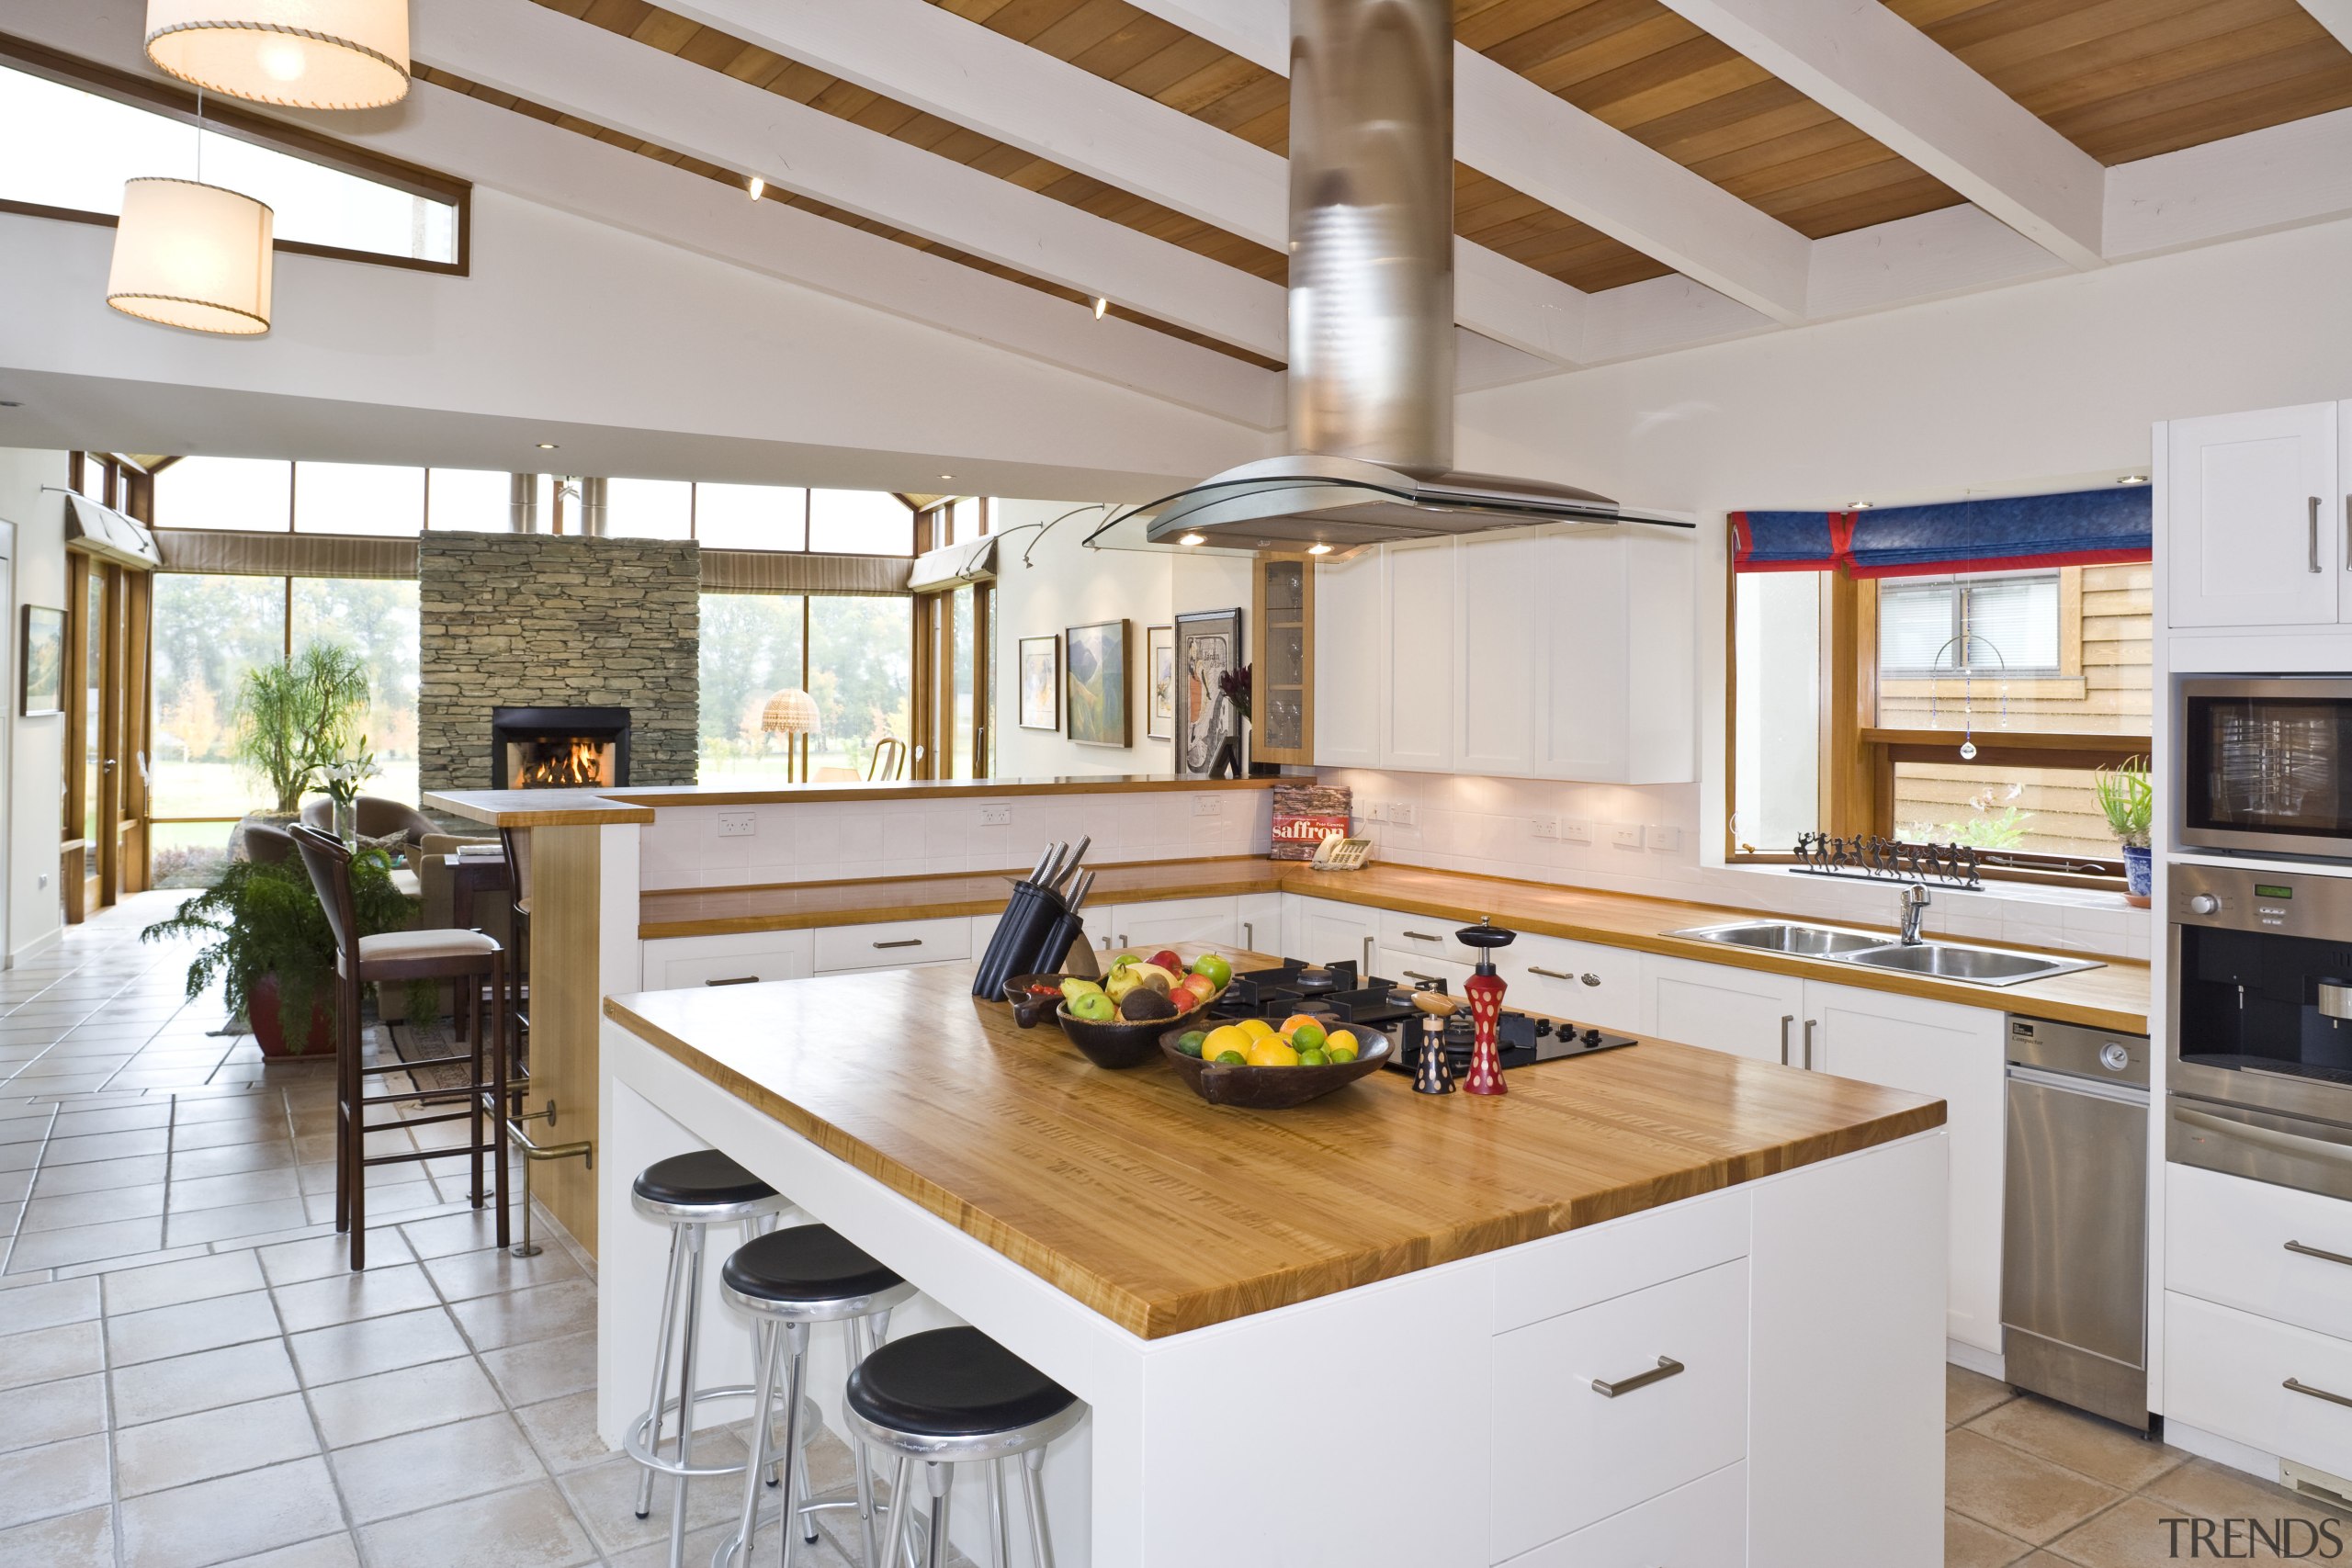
<point>1282,632</point>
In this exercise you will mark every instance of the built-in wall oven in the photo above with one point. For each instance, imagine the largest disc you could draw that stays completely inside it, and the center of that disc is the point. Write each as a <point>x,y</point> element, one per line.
<point>2266,764</point>
<point>2260,1083</point>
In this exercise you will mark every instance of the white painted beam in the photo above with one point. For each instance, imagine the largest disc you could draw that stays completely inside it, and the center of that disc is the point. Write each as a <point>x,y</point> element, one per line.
<point>930,59</point>
<point>1873,69</point>
<point>612,81</point>
<point>2279,178</point>
<point>2335,16</point>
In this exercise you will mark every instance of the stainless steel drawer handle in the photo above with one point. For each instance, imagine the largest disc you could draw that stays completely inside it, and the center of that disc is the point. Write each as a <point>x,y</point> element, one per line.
<point>1549,974</point>
<point>1786,1019</point>
<point>1669,1367</point>
<point>1423,936</point>
<point>903,942</point>
<point>1808,1042</point>
<point>1415,975</point>
<point>2315,532</point>
<point>2320,1253</point>
<point>2296,1385</point>
<point>735,980</point>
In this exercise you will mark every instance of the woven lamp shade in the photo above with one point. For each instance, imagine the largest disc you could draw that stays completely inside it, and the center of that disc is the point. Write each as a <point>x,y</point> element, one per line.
<point>310,54</point>
<point>192,255</point>
<point>790,712</point>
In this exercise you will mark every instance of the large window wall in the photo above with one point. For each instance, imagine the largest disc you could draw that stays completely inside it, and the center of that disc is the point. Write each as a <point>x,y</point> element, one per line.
<point>851,654</point>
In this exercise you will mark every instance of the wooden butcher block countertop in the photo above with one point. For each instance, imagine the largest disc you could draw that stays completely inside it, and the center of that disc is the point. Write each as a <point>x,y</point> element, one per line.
<point>1165,1213</point>
<point>2114,996</point>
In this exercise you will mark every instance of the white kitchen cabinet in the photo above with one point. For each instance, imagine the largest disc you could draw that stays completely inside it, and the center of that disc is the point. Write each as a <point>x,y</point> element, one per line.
<point>1749,1012</point>
<point>1613,637</point>
<point>1416,600</point>
<point>1581,981</point>
<point>1350,640</point>
<point>1420,969</point>
<point>893,944</point>
<point>1261,923</point>
<point>1495,614</point>
<point>2254,519</point>
<point>1166,922</point>
<point>671,963</point>
<point>1954,1053</point>
<point>1320,930</point>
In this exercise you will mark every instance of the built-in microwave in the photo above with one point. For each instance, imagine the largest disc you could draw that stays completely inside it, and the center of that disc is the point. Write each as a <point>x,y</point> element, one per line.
<point>2266,765</point>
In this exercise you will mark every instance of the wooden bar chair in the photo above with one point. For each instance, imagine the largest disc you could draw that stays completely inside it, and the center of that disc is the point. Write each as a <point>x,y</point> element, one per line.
<point>888,761</point>
<point>469,958</point>
<point>516,842</point>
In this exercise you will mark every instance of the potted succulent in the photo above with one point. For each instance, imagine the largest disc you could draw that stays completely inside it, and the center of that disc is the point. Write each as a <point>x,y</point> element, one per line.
<point>271,946</point>
<point>2128,801</point>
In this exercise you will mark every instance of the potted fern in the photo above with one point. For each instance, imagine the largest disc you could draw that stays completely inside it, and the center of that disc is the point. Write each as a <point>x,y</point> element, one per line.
<point>2127,800</point>
<point>271,947</point>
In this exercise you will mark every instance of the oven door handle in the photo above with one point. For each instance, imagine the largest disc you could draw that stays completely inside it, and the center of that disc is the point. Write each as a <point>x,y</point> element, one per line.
<point>2264,1138</point>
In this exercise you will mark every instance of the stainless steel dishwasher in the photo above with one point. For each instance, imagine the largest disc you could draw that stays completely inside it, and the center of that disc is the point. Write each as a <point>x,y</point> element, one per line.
<point>2075,1244</point>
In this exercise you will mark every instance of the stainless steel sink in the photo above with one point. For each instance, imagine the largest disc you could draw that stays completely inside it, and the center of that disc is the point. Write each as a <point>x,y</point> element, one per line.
<point>1785,936</point>
<point>1978,966</point>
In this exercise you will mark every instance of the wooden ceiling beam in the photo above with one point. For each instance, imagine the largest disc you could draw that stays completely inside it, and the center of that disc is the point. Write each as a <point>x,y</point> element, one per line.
<point>1888,79</point>
<point>605,77</point>
<point>2335,16</point>
<point>918,54</point>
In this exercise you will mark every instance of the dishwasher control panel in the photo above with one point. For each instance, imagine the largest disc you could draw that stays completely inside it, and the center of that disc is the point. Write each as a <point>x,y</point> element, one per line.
<point>2078,1051</point>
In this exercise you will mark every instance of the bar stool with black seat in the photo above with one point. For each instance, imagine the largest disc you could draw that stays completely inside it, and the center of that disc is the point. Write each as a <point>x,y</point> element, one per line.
<point>470,958</point>
<point>688,1192</point>
<point>953,1396</point>
<point>789,1281</point>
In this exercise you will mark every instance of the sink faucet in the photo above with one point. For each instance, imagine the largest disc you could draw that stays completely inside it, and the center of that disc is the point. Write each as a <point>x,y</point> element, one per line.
<point>1915,905</point>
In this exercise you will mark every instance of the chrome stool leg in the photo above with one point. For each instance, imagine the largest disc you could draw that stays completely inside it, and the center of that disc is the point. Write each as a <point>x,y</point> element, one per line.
<point>937,1477</point>
<point>686,1397</point>
<point>1033,1492</point>
<point>654,1406</point>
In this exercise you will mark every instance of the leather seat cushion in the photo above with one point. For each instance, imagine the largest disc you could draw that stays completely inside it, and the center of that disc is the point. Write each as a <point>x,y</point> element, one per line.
<point>705,1176</point>
<point>443,943</point>
<point>953,1383</point>
<point>805,1263</point>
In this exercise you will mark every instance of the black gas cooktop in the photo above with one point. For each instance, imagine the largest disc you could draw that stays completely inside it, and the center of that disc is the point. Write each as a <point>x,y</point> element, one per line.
<point>1339,992</point>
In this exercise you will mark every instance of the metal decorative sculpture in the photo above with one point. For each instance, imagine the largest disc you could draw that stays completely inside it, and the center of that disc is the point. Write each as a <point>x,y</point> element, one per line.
<point>1819,854</point>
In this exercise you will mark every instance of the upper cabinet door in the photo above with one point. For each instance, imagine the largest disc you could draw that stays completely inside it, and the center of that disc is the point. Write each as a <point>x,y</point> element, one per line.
<point>1418,712</point>
<point>2251,531</point>
<point>1615,640</point>
<point>1351,641</point>
<point>1493,666</point>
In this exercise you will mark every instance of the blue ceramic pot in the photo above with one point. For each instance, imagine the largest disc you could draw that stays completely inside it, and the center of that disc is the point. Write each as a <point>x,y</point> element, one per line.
<point>2139,870</point>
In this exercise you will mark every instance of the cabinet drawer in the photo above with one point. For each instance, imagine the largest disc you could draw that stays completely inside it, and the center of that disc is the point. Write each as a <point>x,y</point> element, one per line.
<point>2227,1371</point>
<point>1561,1274</point>
<point>1567,1456</point>
<point>1165,923</point>
<point>1425,935</point>
<point>2228,1240</point>
<point>1579,980</point>
<point>1703,1525</point>
<point>893,945</point>
<point>673,963</point>
<point>1420,969</point>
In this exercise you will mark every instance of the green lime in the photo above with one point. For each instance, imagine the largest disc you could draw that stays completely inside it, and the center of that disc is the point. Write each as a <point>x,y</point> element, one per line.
<point>1315,1057</point>
<point>1344,1054</point>
<point>1233,1059</point>
<point>1190,1045</point>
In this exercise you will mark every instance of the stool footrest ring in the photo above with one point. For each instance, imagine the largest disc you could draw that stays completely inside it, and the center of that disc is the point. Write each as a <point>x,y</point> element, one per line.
<point>638,1444</point>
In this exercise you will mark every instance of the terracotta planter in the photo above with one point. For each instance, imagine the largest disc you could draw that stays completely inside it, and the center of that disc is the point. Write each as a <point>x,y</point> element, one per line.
<point>269,1029</point>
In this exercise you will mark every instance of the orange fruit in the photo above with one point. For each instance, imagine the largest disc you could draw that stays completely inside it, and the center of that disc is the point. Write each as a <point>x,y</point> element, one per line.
<point>1297,1021</point>
<point>1272,1052</point>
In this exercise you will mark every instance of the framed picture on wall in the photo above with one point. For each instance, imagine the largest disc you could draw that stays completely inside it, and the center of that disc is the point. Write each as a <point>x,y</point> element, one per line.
<point>1159,681</point>
<point>43,688</point>
<point>1041,683</point>
<point>1210,658</point>
<point>1097,698</point>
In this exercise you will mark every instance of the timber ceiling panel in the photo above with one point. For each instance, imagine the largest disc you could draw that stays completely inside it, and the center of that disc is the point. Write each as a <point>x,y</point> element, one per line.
<point>2126,79</point>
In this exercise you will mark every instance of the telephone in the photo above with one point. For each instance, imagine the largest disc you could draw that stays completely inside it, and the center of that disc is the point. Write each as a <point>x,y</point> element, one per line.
<point>1338,854</point>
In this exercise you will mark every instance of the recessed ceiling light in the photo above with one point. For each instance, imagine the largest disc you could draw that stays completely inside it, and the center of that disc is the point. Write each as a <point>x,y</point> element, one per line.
<point>1190,539</point>
<point>1100,305</point>
<point>2132,480</point>
<point>1318,549</point>
<point>947,476</point>
<point>1860,505</point>
<point>758,188</point>
<point>546,446</point>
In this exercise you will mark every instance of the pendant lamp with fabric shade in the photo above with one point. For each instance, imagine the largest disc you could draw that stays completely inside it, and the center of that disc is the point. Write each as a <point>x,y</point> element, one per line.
<point>193,255</point>
<point>308,54</point>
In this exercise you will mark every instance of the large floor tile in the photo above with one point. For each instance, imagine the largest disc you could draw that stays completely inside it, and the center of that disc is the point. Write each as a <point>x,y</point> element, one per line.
<point>77,1541</point>
<point>106,1145</point>
<point>192,1280</point>
<point>190,1192</point>
<point>469,1232</point>
<point>41,1355</point>
<point>406,1400</point>
<point>375,1291</point>
<point>518,1317</point>
<point>46,1306</point>
<point>606,1497</point>
<point>464,1274</point>
<point>232,1160</point>
<point>289,1263</point>
<point>222,1135</point>
<point>396,1475</point>
<point>56,1478</point>
<point>564,1431</point>
<point>233,1220</point>
<point>183,1384</point>
<point>326,1552</point>
<point>2013,1492</point>
<point>144,1202</point>
<point>164,1454</point>
<point>236,1516</point>
<point>191,1327</point>
<point>84,1244</point>
<point>2082,1443</point>
<point>2216,1491</point>
<point>545,1368</point>
<point>58,1180</point>
<point>1968,1544</point>
<point>116,1119</point>
<point>530,1526</point>
<point>376,1345</point>
<point>52,1411</point>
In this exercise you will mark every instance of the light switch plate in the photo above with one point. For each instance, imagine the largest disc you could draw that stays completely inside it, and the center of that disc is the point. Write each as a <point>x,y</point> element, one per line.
<point>1662,838</point>
<point>738,824</point>
<point>1208,805</point>
<point>1575,832</point>
<point>1624,836</point>
<point>996,816</point>
<point>1546,827</point>
<point>1375,811</point>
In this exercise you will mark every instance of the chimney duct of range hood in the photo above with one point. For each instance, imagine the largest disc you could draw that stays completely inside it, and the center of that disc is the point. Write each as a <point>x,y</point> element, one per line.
<point>1371,310</point>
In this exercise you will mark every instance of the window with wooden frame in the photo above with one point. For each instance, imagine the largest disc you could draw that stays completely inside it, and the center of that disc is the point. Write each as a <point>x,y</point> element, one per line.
<point>1969,707</point>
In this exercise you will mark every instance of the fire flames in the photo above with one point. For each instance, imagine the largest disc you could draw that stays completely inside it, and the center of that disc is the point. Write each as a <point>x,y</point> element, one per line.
<point>563,764</point>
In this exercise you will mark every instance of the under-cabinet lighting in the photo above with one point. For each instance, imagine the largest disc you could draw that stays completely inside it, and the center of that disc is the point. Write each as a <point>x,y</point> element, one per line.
<point>1860,505</point>
<point>1190,539</point>
<point>1318,549</point>
<point>2132,480</point>
<point>546,446</point>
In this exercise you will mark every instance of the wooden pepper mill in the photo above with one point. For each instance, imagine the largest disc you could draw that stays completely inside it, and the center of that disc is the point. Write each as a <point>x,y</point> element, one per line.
<point>1432,1071</point>
<point>1485,988</point>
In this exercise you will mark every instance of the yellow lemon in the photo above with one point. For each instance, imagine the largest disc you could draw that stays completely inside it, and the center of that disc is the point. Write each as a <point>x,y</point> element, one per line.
<point>1257,1028</point>
<point>1272,1052</point>
<point>1340,1040</point>
<point>1229,1037</point>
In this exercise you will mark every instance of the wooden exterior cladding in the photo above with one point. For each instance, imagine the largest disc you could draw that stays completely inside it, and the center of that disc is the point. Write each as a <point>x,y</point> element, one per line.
<point>1281,657</point>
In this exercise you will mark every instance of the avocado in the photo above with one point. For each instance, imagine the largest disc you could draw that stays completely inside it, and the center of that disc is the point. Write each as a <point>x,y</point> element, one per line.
<point>1143,1004</point>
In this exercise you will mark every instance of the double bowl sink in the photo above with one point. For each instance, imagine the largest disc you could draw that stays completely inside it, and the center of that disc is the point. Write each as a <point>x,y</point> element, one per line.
<point>1938,960</point>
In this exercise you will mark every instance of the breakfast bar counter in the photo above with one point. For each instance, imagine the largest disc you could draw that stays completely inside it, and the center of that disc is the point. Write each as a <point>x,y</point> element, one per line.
<point>1285,1322</point>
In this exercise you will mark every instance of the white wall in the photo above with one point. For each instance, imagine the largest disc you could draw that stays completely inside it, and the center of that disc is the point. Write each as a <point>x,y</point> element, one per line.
<point>1064,585</point>
<point>35,750</point>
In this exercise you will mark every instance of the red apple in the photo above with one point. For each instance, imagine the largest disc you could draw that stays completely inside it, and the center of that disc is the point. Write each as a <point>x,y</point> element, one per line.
<point>1166,958</point>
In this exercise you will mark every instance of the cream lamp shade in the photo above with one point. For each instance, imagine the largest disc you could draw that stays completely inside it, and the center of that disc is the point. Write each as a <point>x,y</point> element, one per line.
<point>308,54</point>
<point>792,712</point>
<point>192,255</point>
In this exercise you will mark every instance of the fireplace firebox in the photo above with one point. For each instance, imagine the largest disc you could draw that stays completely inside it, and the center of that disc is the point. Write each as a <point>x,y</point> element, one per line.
<point>559,748</point>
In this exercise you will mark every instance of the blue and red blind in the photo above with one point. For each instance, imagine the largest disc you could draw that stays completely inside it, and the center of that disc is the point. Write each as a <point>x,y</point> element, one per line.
<point>2089,527</point>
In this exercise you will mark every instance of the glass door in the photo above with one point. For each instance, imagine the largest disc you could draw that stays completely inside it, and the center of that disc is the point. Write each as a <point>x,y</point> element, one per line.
<point>105,797</point>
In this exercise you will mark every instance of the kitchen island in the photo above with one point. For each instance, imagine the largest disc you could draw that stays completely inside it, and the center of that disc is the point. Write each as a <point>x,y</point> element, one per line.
<point>1366,1331</point>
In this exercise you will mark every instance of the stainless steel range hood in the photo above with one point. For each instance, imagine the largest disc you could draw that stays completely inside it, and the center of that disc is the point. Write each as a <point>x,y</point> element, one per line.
<point>1371,310</point>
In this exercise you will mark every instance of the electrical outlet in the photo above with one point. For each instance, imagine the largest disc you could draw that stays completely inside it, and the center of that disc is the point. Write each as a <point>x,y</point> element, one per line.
<point>996,816</point>
<point>1546,827</point>
<point>1404,813</point>
<point>1624,838</point>
<point>738,824</point>
<point>1661,838</point>
<point>42,881</point>
<point>1575,832</point>
<point>1375,811</point>
<point>1208,805</point>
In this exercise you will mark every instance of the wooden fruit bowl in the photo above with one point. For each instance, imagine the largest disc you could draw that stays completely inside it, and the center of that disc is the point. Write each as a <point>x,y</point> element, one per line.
<point>1271,1089</point>
<point>1121,1043</point>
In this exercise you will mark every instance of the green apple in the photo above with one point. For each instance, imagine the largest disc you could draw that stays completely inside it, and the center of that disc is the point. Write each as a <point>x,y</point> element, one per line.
<point>1073,988</point>
<point>1216,966</point>
<point>1093,1007</point>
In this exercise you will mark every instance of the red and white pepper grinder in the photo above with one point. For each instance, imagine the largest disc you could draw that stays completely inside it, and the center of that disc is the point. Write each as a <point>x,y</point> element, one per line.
<point>1485,988</point>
